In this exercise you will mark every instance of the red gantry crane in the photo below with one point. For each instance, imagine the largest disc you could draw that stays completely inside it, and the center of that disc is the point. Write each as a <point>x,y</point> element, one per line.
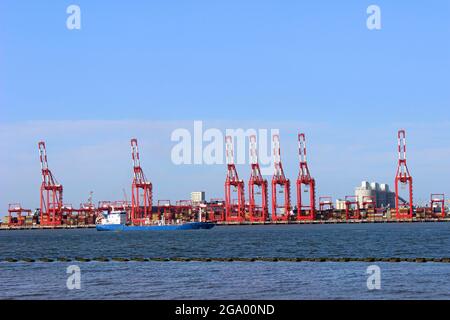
<point>404,178</point>
<point>352,208</point>
<point>369,203</point>
<point>216,210</point>
<point>438,200</point>
<point>141,190</point>
<point>17,214</point>
<point>305,211</point>
<point>326,203</point>
<point>51,201</point>
<point>257,185</point>
<point>234,211</point>
<point>166,211</point>
<point>280,212</point>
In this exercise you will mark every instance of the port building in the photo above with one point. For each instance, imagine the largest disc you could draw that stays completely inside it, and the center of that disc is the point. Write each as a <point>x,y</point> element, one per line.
<point>198,197</point>
<point>379,191</point>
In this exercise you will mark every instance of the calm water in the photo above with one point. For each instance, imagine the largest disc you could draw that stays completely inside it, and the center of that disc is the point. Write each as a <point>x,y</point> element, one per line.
<point>242,280</point>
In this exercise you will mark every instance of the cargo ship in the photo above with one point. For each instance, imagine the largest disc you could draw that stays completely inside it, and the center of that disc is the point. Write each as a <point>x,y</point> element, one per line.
<point>116,221</point>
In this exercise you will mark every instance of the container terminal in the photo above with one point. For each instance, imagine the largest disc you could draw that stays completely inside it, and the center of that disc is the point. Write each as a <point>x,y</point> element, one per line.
<point>371,202</point>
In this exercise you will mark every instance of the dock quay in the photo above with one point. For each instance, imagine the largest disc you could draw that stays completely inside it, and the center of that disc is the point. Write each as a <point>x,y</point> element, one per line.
<point>332,221</point>
<point>39,227</point>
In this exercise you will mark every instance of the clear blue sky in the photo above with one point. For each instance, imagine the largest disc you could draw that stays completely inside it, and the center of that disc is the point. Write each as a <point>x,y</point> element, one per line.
<point>265,64</point>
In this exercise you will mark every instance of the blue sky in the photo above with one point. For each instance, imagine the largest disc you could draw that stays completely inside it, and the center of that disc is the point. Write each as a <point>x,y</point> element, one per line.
<point>145,68</point>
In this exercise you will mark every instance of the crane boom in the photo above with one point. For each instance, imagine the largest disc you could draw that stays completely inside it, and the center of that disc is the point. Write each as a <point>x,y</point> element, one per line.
<point>141,209</point>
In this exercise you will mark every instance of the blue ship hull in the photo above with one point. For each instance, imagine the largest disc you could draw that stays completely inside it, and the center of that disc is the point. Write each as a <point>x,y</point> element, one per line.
<point>184,226</point>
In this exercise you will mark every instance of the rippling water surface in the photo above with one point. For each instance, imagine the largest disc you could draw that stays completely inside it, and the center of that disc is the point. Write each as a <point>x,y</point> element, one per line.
<point>241,280</point>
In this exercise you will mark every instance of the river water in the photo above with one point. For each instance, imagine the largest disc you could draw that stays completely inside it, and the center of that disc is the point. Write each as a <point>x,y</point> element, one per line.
<point>229,280</point>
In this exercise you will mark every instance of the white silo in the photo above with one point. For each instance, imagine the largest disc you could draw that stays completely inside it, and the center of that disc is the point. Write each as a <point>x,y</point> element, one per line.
<point>364,191</point>
<point>375,186</point>
<point>365,185</point>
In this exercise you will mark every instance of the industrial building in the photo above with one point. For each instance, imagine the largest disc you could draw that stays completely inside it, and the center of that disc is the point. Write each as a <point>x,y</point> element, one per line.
<point>198,197</point>
<point>381,194</point>
<point>340,204</point>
